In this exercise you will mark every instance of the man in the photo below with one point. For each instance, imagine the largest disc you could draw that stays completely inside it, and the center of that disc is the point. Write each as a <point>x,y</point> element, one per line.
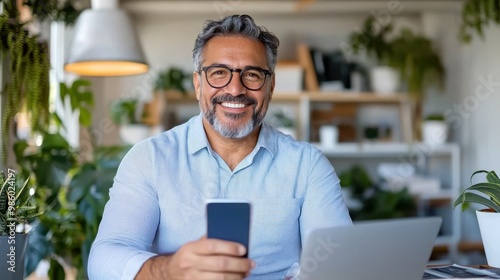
<point>154,223</point>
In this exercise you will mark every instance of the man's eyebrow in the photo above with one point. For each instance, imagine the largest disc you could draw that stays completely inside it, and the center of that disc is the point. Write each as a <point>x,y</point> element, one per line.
<point>226,65</point>
<point>219,64</point>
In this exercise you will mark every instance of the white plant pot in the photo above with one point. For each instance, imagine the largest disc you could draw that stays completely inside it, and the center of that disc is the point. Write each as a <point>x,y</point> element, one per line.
<point>328,136</point>
<point>134,133</point>
<point>434,132</point>
<point>384,80</point>
<point>489,225</point>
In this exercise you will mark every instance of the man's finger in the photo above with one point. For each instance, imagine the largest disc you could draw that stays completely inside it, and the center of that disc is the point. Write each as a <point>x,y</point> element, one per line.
<point>218,247</point>
<point>208,275</point>
<point>226,264</point>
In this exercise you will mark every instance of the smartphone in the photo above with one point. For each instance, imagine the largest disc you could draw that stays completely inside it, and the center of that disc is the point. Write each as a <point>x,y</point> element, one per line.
<point>229,220</point>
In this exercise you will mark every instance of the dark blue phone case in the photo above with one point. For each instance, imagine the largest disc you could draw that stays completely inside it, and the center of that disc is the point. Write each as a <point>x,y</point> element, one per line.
<point>229,221</point>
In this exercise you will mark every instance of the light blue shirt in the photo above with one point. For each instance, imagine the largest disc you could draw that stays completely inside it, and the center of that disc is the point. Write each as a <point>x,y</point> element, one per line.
<point>157,202</point>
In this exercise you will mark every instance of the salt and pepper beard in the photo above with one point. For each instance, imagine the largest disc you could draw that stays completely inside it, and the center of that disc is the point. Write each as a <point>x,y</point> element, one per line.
<point>235,132</point>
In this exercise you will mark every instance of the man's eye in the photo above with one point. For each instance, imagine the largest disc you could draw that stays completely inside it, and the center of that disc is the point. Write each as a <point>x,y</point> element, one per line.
<point>219,72</point>
<point>252,75</point>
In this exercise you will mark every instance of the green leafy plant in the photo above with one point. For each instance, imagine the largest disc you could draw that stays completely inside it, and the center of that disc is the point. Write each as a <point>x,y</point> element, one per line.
<point>64,11</point>
<point>282,120</point>
<point>417,62</point>
<point>382,204</point>
<point>28,64</point>
<point>75,193</point>
<point>74,190</point>
<point>17,205</point>
<point>27,88</point>
<point>123,111</point>
<point>64,234</point>
<point>373,40</point>
<point>375,202</point>
<point>435,117</point>
<point>490,188</point>
<point>80,98</point>
<point>357,179</point>
<point>476,15</point>
<point>171,79</point>
<point>413,56</point>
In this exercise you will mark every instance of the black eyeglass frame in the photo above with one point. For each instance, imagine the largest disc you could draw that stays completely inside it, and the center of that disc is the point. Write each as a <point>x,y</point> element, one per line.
<point>239,70</point>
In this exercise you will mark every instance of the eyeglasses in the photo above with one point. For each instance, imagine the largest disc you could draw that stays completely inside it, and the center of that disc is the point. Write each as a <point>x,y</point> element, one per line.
<point>219,76</point>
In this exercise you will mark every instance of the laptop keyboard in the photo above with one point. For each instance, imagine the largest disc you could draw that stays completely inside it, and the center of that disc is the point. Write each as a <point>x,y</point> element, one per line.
<point>429,276</point>
<point>458,273</point>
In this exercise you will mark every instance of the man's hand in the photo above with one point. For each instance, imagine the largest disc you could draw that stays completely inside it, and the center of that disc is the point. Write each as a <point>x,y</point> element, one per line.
<point>201,259</point>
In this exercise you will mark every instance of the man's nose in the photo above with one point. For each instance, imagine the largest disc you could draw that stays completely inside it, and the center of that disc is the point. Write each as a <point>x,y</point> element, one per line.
<point>235,87</point>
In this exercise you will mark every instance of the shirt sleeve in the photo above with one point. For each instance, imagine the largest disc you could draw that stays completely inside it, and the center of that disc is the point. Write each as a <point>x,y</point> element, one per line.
<point>323,204</point>
<point>130,220</point>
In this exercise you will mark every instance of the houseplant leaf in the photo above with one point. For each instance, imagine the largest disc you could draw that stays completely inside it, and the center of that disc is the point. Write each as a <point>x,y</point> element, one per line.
<point>490,189</point>
<point>474,198</point>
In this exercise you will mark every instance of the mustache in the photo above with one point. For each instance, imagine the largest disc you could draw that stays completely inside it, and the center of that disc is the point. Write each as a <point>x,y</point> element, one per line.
<point>237,99</point>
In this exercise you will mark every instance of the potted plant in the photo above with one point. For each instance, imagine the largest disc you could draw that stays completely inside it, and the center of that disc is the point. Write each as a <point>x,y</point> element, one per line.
<point>74,188</point>
<point>373,40</point>
<point>16,208</point>
<point>434,129</point>
<point>172,80</point>
<point>368,201</point>
<point>486,194</point>
<point>124,112</point>
<point>416,61</point>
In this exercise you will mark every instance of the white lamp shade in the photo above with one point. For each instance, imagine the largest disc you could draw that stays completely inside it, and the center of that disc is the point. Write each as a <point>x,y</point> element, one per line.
<point>105,44</point>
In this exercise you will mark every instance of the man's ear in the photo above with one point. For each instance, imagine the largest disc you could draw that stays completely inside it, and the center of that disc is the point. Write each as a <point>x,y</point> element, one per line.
<point>196,84</point>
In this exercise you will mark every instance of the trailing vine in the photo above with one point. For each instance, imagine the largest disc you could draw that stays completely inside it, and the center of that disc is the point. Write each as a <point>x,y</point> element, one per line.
<point>27,61</point>
<point>476,15</point>
<point>56,10</point>
<point>28,66</point>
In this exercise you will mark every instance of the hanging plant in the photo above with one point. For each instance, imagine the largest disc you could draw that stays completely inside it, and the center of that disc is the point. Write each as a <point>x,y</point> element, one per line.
<point>27,89</point>
<point>476,15</point>
<point>55,10</point>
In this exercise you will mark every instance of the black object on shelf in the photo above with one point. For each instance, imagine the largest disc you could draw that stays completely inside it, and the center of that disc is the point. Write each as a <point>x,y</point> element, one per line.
<point>332,66</point>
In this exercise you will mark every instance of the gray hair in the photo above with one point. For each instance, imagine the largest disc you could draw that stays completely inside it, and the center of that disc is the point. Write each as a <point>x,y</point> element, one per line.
<point>236,25</point>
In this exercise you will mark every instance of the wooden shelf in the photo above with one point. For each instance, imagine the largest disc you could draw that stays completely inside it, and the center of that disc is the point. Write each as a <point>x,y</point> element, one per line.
<point>317,96</point>
<point>357,97</point>
<point>304,99</point>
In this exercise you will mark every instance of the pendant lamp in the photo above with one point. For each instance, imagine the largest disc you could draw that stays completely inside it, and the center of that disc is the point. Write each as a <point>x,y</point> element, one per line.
<point>104,43</point>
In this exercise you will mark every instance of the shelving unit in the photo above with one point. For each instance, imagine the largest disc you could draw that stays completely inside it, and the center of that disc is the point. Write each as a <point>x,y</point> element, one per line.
<point>434,159</point>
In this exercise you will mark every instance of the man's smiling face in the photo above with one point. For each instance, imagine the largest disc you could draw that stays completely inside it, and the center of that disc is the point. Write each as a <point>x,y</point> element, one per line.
<point>233,111</point>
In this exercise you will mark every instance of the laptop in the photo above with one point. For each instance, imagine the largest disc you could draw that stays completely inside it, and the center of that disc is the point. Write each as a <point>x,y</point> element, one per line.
<point>396,249</point>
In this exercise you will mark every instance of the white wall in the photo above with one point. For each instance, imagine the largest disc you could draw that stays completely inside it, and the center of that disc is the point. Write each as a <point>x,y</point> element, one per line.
<point>477,113</point>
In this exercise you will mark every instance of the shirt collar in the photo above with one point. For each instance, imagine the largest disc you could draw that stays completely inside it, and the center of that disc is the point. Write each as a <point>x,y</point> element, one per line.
<point>197,138</point>
<point>267,139</point>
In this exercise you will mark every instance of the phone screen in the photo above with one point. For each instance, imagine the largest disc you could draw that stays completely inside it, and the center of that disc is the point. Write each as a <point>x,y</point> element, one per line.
<point>229,220</point>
